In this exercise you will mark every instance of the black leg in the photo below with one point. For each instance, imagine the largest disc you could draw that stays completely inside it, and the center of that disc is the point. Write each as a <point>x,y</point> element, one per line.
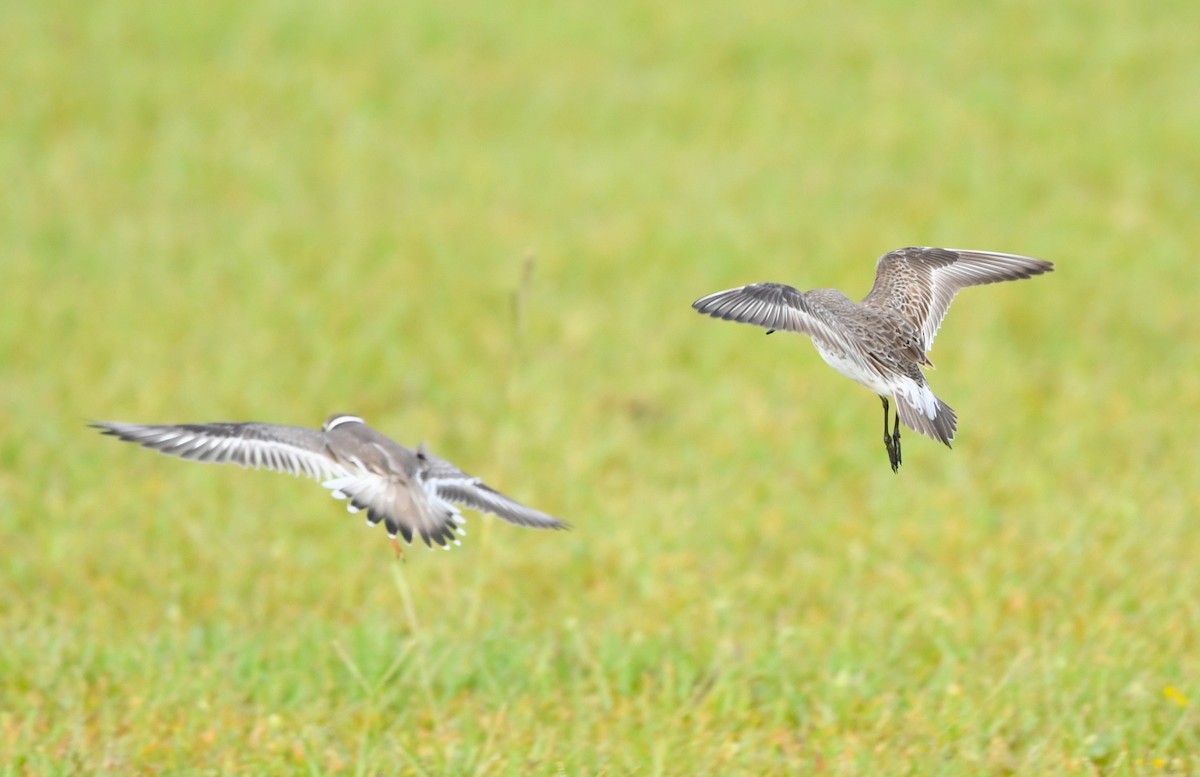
<point>896,442</point>
<point>892,444</point>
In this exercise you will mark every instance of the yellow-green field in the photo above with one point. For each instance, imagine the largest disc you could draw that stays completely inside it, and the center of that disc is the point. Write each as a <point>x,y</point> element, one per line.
<point>482,226</point>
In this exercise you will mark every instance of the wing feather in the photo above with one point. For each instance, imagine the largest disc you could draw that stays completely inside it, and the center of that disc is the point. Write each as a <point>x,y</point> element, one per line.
<point>921,282</point>
<point>479,496</point>
<point>453,485</point>
<point>777,306</point>
<point>294,450</point>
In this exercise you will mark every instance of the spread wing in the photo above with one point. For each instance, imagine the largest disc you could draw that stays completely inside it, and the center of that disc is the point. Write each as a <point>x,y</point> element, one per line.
<point>777,306</point>
<point>291,449</point>
<point>921,282</point>
<point>452,484</point>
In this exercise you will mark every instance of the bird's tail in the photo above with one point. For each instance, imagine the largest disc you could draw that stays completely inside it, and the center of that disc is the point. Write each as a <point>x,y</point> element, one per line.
<point>920,410</point>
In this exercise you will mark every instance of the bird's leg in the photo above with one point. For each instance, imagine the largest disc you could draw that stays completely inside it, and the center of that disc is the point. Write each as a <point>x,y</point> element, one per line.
<point>396,545</point>
<point>892,445</point>
<point>896,441</point>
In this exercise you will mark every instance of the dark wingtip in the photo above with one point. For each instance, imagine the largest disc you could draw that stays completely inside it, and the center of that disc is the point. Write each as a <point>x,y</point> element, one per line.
<point>703,306</point>
<point>1040,268</point>
<point>552,524</point>
<point>109,429</point>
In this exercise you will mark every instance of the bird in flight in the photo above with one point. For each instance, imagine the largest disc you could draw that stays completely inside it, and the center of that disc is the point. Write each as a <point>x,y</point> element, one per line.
<point>883,341</point>
<point>413,493</point>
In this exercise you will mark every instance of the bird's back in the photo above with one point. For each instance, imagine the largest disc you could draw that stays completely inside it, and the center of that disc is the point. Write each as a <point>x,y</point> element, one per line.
<point>884,335</point>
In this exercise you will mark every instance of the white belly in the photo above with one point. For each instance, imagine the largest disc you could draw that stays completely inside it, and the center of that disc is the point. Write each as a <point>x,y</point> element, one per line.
<point>855,372</point>
<point>898,387</point>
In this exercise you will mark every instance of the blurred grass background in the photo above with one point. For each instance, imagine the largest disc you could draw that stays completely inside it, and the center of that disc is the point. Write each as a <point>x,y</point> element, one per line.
<point>482,226</point>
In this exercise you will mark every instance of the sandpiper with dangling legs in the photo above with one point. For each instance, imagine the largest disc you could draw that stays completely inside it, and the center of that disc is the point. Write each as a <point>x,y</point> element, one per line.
<point>883,341</point>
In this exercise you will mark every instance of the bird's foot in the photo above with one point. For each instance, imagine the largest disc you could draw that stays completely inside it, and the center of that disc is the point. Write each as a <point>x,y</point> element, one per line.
<point>893,450</point>
<point>399,553</point>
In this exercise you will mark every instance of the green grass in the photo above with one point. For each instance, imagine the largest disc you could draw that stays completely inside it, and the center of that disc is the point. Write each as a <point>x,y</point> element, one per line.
<point>276,211</point>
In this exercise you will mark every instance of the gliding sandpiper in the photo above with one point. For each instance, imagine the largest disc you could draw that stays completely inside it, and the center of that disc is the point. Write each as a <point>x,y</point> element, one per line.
<point>411,492</point>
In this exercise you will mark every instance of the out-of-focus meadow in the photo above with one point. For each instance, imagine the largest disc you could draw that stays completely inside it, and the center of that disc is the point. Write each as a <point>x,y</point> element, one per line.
<point>482,226</point>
